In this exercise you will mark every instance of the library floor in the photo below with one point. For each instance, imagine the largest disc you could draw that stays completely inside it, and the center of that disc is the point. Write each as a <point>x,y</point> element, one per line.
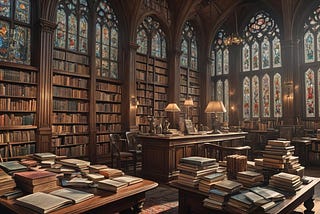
<point>164,199</point>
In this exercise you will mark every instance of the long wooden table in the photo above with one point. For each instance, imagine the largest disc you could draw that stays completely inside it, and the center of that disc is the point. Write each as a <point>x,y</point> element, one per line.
<point>191,200</point>
<point>128,198</point>
<point>161,154</point>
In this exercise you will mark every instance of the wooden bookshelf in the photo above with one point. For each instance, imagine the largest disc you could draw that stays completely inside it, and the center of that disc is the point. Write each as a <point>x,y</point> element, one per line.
<point>70,117</point>
<point>152,89</point>
<point>18,102</point>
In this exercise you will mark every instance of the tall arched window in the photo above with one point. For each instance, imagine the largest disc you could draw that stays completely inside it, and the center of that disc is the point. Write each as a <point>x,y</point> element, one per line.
<point>151,73</point>
<point>15,31</point>
<point>107,41</point>
<point>311,65</point>
<point>261,59</point>
<point>219,67</point>
<point>189,74</point>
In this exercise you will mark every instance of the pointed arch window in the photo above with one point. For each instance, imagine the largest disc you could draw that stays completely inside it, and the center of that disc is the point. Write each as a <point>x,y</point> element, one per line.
<point>15,33</point>
<point>107,41</point>
<point>189,47</point>
<point>261,56</point>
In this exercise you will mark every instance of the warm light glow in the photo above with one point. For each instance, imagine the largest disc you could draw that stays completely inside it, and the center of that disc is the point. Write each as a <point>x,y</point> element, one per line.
<point>215,107</point>
<point>233,39</point>
<point>188,102</point>
<point>172,107</point>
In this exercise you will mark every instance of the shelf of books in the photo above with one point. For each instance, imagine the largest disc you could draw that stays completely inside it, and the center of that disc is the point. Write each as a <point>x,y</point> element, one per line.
<point>70,129</point>
<point>190,88</point>
<point>152,89</point>
<point>108,112</point>
<point>18,88</point>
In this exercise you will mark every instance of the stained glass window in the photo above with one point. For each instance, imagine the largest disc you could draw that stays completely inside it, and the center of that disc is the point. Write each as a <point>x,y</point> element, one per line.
<point>261,54</point>
<point>107,41</point>
<point>309,47</point>
<point>150,33</point>
<point>219,90</point>
<point>15,31</point>
<point>189,47</point>
<point>220,54</point>
<point>213,64</point>
<point>219,62</point>
<point>310,96</point>
<point>72,29</point>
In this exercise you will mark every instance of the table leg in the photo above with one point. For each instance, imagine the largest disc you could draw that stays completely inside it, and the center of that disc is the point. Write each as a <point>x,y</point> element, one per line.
<point>309,204</point>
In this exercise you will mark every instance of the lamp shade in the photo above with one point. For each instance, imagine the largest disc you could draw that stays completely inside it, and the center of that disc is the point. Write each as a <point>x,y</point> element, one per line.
<point>215,107</point>
<point>172,107</point>
<point>188,102</point>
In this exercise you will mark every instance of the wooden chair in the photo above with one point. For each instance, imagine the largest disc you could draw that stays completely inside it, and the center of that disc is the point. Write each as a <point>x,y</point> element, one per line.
<point>135,149</point>
<point>119,152</point>
<point>220,152</point>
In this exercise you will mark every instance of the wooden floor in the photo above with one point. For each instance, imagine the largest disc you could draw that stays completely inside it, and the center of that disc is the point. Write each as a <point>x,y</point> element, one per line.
<point>164,199</point>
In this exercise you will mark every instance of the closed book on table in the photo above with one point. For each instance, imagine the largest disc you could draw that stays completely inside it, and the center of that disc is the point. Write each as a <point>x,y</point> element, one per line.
<point>198,161</point>
<point>76,196</point>
<point>12,166</point>
<point>228,186</point>
<point>42,202</point>
<point>38,188</point>
<point>128,179</point>
<point>35,177</point>
<point>111,185</point>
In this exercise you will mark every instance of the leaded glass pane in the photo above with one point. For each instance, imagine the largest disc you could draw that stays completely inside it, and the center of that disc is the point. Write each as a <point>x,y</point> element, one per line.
<point>213,63</point>
<point>98,41</point>
<point>4,40</point>
<point>83,43</point>
<point>277,95</point>
<point>156,45</point>
<point>266,96</point>
<point>308,47</point>
<point>255,56</point>
<point>60,40</point>
<point>114,70</point>
<point>164,49</point>
<point>226,61</point>
<point>276,46</point>
<point>318,46</point>
<point>246,97</point>
<point>184,55</point>
<point>246,58</point>
<point>265,53</point>
<point>142,41</point>
<point>189,47</point>
<point>310,97</point>
<point>255,97</point>
<point>226,99</point>
<point>220,90</point>
<point>194,55</point>
<point>5,8</point>
<point>22,12</point>
<point>219,62</point>
<point>72,32</point>
<point>21,50</point>
<point>114,54</point>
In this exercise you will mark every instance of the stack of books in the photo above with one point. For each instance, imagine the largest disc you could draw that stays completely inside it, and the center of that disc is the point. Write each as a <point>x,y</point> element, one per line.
<point>111,172</point>
<point>239,203</point>
<point>96,168</point>
<point>294,167</point>
<point>194,167</point>
<point>235,164</point>
<point>74,163</point>
<point>111,185</point>
<point>7,183</point>
<point>36,181</point>
<point>258,164</point>
<point>77,182</point>
<point>228,186</point>
<point>46,159</point>
<point>286,182</point>
<point>250,178</point>
<point>11,167</point>
<point>207,181</point>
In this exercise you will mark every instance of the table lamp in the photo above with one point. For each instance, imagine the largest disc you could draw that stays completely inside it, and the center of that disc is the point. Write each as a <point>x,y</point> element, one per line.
<point>171,107</point>
<point>215,107</point>
<point>188,103</point>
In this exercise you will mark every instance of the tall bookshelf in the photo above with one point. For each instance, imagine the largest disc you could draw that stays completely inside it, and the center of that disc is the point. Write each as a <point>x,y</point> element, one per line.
<point>70,126</point>
<point>108,112</point>
<point>152,90</point>
<point>190,88</point>
<point>18,101</point>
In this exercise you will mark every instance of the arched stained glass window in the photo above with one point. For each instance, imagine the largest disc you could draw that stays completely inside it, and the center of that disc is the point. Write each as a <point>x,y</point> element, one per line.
<point>107,41</point>
<point>261,55</point>
<point>15,33</point>
<point>72,29</point>
<point>150,33</point>
<point>310,93</point>
<point>189,47</point>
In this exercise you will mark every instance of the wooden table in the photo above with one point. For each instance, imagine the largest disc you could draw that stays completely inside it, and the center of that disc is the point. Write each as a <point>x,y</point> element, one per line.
<point>161,154</point>
<point>131,197</point>
<point>191,200</point>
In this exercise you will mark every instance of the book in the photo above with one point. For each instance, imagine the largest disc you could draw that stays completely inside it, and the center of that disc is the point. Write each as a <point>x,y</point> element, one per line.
<point>111,172</point>
<point>76,196</point>
<point>35,177</point>
<point>111,185</point>
<point>128,179</point>
<point>228,186</point>
<point>198,161</point>
<point>42,202</point>
<point>95,176</point>
<point>37,188</point>
<point>96,167</point>
<point>13,194</point>
<point>44,156</point>
<point>12,166</point>
<point>73,162</point>
<point>213,177</point>
<point>76,181</point>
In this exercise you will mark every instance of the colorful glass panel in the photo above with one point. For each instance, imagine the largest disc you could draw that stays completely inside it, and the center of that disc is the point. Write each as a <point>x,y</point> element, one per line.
<point>194,55</point>
<point>246,98</point>
<point>156,45</point>
<point>83,40</point>
<point>226,99</point>
<point>266,96</point>
<point>308,47</point>
<point>213,64</point>
<point>21,40</point>
<point>22,12</point>
<point>255,97</point>
<point>276,46</point>
<point>219,90</point>
<point>5,8</point>
<point>277,95</point>
<point>318,46</point>
<point>4,40</point>
<point>142,42</point>
<point>60,40</point>
<point>190,49</point>
<point>246,58</point>
<point>310,97</point>
<point>265,53</point>
<point>219,62</point>
<point>226,61</point>
<point>72,32</point>
<point>184,55</point>
<point>164,49</point>
<point>255,56</point>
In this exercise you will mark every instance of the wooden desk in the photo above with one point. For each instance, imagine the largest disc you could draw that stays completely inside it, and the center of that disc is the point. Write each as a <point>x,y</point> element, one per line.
<point>161,154</point>
<point>191,200</point>
<point>103,202</point>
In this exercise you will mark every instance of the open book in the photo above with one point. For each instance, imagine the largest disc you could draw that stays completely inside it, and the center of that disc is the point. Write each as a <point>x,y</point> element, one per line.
<point>76,196</point>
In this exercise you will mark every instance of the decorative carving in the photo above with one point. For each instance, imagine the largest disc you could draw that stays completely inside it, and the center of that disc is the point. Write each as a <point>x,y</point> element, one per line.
<point>47,26</point>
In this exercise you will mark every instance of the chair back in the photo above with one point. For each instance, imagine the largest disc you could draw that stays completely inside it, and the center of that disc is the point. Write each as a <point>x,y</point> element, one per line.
<point>115,141</point>
<point>132,142</point>
<point>220,152</point>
